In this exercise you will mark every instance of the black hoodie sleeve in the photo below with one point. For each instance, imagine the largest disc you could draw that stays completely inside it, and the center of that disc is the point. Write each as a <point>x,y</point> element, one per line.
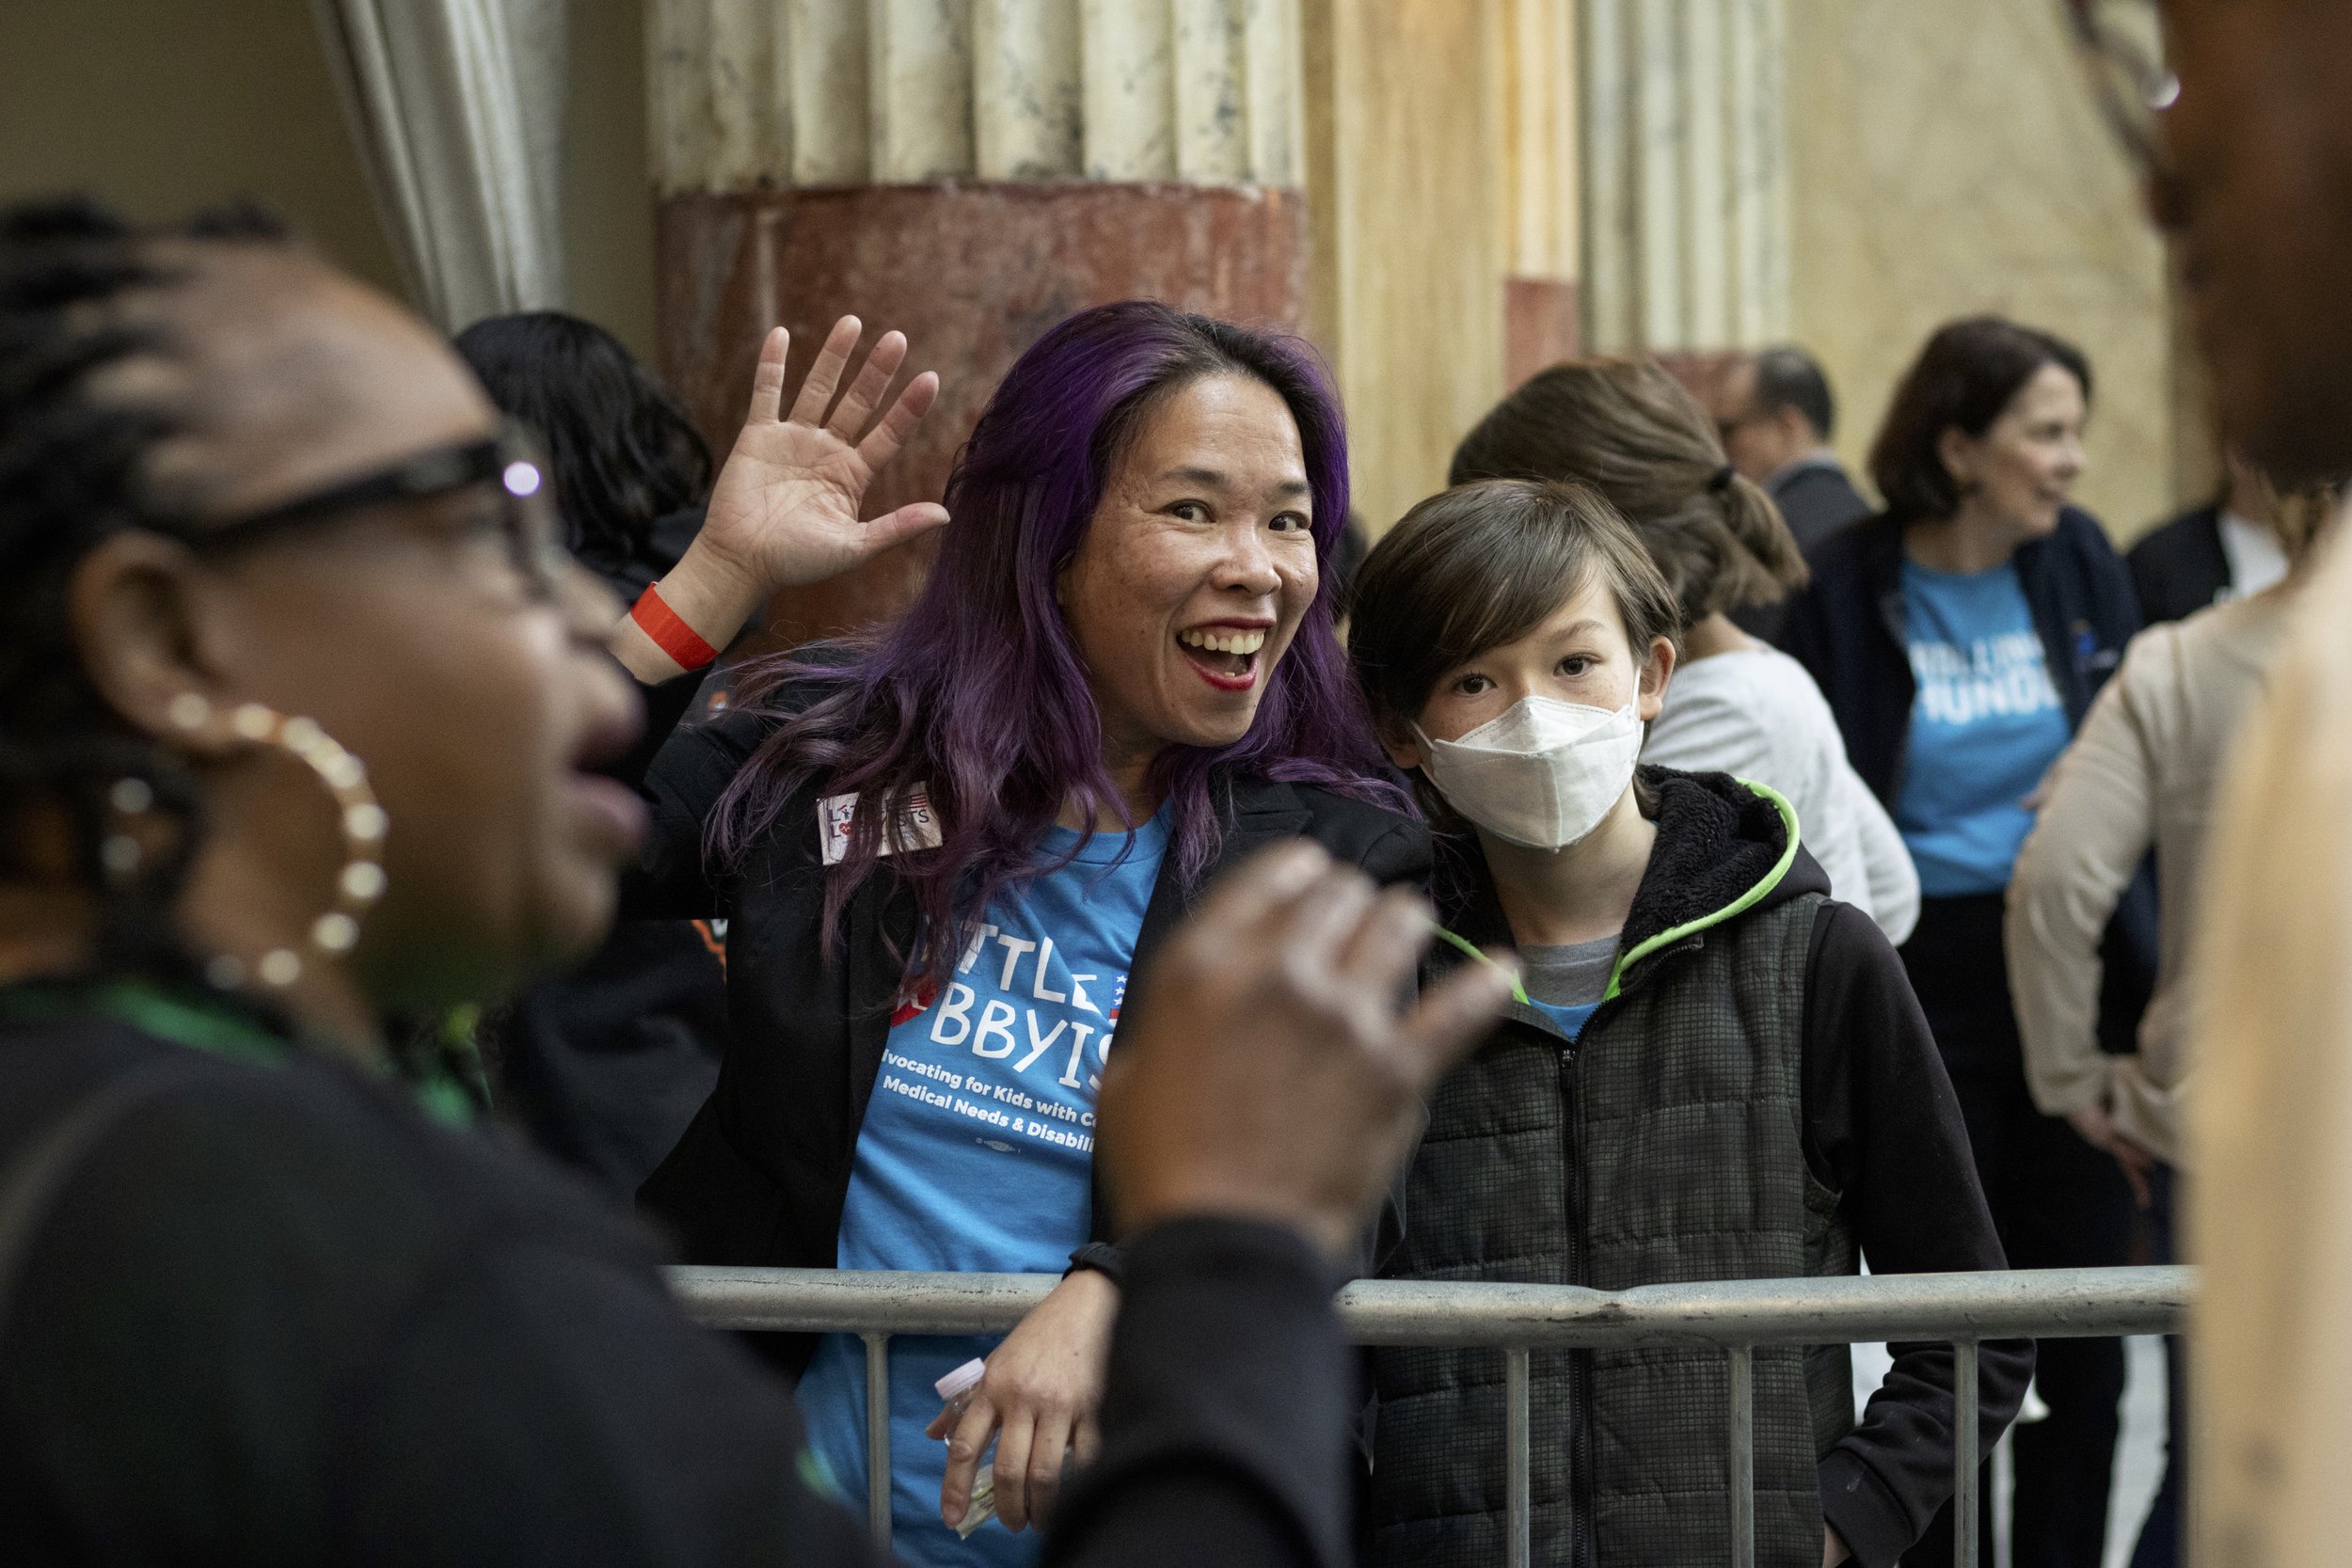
<point>1883,1128</point>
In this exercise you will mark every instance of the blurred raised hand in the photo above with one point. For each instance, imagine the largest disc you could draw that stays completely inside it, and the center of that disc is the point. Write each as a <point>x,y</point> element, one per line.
<point>1267,1067</point>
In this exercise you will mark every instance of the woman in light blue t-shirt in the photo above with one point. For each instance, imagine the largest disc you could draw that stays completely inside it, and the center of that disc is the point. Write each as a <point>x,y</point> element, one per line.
<point>1959,638</point>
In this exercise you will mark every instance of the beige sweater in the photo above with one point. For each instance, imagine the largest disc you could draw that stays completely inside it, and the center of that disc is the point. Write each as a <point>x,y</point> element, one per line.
<point>2142,773</point>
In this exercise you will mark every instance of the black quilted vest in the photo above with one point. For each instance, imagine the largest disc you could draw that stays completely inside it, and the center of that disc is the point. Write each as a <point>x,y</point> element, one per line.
<point>1662,1147</point>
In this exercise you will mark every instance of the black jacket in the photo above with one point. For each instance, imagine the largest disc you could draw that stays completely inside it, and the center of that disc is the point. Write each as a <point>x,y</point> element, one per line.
<point>2180,567</point>
<point>1881,1130</point>
<point>1817,499</point>
<point>760,1176</point>
<point>1847,627</point>
<point>273,1314</point>
<point>603,1067</point>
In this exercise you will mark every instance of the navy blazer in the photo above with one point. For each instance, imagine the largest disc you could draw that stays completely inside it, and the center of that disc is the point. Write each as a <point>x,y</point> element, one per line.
<point>1847,627</point>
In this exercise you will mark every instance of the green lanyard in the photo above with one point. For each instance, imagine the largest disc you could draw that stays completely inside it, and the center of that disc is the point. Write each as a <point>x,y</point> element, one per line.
<point>201,1023</point>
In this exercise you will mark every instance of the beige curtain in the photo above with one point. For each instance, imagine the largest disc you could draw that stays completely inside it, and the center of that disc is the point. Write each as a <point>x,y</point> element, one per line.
<point>456,107</point>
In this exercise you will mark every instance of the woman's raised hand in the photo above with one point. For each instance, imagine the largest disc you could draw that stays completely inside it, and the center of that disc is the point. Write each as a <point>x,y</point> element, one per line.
<point>784,510</point>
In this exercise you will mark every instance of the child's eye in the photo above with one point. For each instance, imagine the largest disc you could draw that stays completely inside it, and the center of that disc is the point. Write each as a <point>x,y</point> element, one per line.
<point>1576,666</point>
<point>1473,686</point>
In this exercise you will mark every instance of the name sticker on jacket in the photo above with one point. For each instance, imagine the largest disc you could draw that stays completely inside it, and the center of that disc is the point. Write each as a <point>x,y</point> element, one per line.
<point>914,826</point>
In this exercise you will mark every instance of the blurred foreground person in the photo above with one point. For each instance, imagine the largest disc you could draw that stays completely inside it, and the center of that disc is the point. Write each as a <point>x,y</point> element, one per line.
<point>2247,168</point>
<point>1959,639</point>
<point>2140,776</point>
<point>2228,548</point>
<point>303,716</point>
<point>1736,705</point>
<point>606,1065</point>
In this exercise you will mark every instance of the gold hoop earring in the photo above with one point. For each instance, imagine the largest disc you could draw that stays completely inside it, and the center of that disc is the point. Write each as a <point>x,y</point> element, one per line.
<point>359,818</point>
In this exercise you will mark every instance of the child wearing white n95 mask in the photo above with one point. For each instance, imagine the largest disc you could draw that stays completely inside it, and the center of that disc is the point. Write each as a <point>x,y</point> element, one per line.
<point>1715,1071</point>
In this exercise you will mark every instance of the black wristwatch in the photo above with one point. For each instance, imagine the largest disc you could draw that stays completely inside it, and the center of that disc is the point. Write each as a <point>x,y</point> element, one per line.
<point>1104,1258</point>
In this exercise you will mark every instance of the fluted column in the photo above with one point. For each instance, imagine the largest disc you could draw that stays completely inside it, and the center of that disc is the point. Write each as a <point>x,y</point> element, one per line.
<point>1686,171</point>
<point>970,171</point>
<point>1542,310</point>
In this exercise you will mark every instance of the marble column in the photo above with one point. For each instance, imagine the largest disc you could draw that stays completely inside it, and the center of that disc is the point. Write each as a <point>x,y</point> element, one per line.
<point>970,171</point>
<point>1686,171</point>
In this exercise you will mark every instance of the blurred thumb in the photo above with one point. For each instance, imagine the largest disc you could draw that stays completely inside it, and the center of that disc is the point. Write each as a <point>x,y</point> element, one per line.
<point>1452,1016</point>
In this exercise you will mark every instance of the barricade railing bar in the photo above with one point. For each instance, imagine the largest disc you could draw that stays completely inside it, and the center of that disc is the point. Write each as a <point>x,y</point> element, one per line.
<point>1733,1316</point>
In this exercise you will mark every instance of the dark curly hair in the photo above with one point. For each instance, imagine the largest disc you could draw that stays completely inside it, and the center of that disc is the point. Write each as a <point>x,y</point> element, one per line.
<point>74,470</point>
<point>620,446</point>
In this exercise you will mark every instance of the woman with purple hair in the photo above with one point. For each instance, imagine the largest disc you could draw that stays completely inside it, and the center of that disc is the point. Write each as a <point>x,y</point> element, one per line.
<point>943,848</point>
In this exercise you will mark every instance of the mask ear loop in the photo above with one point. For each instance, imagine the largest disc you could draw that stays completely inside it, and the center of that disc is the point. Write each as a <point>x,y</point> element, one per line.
<point>1519,992</point>
<point>360,820</point>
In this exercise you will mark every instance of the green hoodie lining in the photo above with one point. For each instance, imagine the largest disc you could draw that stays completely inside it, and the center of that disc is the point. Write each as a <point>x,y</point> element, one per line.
<point>1740,905</point>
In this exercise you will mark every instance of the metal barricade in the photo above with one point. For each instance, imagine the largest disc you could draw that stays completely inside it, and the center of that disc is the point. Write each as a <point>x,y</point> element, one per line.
<point>1733,1315</point>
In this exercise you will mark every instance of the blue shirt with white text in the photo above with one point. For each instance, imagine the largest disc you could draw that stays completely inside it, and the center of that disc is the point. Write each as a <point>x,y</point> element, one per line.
<point>977,1154</point>
<point>1986,724</point>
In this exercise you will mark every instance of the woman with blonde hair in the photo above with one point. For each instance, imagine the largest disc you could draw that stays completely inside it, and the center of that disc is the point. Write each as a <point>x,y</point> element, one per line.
<point>1737,706</point>
<point>2141,775</point>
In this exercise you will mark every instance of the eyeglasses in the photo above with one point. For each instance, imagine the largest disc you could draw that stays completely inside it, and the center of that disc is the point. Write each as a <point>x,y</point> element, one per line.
<point>509,461</point>
<point>2120,43</point>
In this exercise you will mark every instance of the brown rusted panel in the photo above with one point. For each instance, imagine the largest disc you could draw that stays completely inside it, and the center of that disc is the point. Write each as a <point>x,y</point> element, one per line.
<point>1540,326</point>
<point>973,273</point>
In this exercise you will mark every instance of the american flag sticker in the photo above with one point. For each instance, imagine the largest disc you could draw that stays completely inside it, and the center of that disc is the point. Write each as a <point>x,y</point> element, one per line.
<point>915,825</point>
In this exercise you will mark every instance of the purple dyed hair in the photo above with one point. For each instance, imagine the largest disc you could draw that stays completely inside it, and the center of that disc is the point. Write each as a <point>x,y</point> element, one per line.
<point>980,694</point>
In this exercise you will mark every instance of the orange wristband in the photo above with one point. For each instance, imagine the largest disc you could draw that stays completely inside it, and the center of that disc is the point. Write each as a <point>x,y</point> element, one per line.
<point>670,634</point>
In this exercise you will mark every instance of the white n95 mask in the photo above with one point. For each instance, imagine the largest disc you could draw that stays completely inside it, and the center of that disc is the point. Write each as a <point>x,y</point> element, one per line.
<point>1542,773</point>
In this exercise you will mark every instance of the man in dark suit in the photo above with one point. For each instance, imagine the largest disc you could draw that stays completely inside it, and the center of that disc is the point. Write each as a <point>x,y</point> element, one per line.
<point>2224,549</point>
<point>1776,415</point>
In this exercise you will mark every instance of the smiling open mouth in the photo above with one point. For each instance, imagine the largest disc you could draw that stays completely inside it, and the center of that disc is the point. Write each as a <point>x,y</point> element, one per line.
<point>1227,656</point>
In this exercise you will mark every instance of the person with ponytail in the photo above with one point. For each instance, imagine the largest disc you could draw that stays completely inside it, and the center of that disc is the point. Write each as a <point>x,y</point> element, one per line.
<point>1737,706</point>
<point>943,848</point>
<point>309,727</point>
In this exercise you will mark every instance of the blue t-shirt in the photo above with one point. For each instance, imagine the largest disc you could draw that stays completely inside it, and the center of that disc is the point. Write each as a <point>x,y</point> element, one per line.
<point>976,1156</point>
<point>1985,726</point>
<point>1569,1020</point>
